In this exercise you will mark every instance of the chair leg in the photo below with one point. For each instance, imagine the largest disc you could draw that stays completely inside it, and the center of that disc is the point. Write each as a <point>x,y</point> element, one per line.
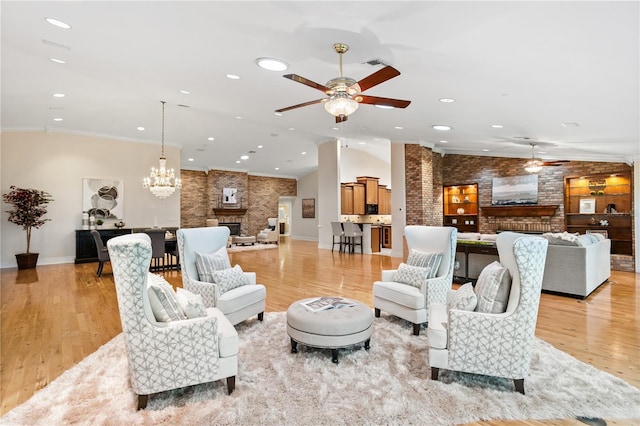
<point>377,312</point>
<point>434,373</point>
<point>416,329</point>
<point>260,316</point>
<point>142,401</point>
<point>519,384</point>
<point>99,271</point>
<point>231,384</point>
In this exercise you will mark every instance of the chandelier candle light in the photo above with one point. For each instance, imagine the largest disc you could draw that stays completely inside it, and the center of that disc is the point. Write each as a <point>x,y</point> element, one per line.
<point>162,182</point>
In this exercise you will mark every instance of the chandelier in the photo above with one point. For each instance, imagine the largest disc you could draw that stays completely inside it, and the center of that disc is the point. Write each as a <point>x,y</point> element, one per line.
<point>162,182</point>
<point>534,165</point>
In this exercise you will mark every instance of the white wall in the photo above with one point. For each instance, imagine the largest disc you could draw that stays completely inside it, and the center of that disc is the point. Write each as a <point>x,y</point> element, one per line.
<point>354,163</point>
<point>57,163</point>
<point>328,191</point>
<point>305,229</point>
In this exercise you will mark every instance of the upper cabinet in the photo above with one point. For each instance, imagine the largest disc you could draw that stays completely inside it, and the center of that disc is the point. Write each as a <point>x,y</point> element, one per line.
<point>461,207</point>
<point>371,188</point>
<point>600,203</point>
<point>352,198</point>
<point>384,200</point>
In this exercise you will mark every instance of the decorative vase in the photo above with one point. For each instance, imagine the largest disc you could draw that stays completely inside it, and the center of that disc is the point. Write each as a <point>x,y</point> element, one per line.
<point>460,210</point>
<point>27,260</point>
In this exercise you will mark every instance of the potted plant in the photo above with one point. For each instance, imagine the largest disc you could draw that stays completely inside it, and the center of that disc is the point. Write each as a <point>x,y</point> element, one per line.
<point>29,205</point>
<point>99,222</point>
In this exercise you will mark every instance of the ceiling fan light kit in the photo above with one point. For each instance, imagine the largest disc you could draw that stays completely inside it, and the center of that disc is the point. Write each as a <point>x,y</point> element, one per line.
<point>345,94</point>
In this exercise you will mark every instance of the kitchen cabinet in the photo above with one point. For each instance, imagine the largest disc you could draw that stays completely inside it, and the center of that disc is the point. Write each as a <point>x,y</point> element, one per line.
<point>352,198</point>
<point>384,200</point>
<point>386,236</point>
<point>371,188</point>
<point>375,239</point>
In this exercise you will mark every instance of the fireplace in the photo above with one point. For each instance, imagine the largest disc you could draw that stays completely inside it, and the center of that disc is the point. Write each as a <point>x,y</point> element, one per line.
<point>234,227</point>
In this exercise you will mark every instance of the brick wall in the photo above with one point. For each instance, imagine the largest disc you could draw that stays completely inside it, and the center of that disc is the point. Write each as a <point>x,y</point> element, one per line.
<point>423,180</point>
<point>202,192</point>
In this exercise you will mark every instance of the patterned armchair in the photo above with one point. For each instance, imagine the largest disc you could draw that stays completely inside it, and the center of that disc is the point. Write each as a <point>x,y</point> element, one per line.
<point>166,355</point>
<point>494,344</point>
<point>409,302</point>
<point>237,304</point>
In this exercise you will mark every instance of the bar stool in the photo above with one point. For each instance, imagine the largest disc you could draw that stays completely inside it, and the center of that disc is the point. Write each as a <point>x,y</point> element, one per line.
<point>336,229</point>
<point>351,234</point>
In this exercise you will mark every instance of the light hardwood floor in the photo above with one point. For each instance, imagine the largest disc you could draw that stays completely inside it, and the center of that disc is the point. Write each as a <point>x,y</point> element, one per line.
<point>56,315</point>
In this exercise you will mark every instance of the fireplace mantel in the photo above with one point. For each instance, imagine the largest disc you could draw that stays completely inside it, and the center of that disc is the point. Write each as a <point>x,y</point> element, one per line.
<point>519,210</point>
<point>229,212</point>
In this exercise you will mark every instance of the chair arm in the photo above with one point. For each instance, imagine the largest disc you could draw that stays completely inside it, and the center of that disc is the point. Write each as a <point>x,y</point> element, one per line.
<point>435,290</point>
<point>387,275</point>
<point>209,291</point>
<point>251,277</point>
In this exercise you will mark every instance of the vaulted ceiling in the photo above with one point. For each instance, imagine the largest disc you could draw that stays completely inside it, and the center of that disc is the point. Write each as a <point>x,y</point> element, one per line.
<point>562,74</point>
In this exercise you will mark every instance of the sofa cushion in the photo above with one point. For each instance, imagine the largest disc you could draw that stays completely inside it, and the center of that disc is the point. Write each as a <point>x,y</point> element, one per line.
<point>561,238</point>
<point>493,288</point>
<point>192,304</point>
<point>468,236</point>
<point>228,279</point>
<point>425,260</point>
<point>463,299</point>
<point>405,295</point>
<point>207,263</point>
<point>411,275</point>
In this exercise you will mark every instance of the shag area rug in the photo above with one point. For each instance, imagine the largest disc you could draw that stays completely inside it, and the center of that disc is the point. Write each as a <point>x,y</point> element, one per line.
<point>256,246</point>
<point>389,384</point>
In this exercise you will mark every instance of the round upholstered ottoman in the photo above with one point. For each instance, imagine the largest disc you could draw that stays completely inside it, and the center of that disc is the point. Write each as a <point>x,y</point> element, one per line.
<point>330,328</point>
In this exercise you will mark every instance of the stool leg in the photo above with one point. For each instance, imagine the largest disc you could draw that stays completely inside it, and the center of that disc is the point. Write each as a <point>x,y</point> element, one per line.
<point>334,356</point>
<point>294,347</point>
<point>366,344</point>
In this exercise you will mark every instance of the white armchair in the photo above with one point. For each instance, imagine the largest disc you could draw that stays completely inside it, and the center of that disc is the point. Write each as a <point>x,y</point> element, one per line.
<point>158,358</point>
<point>409,302</point>
<point>494,344</point>
<point>271,233</point>
<point>237,304</point>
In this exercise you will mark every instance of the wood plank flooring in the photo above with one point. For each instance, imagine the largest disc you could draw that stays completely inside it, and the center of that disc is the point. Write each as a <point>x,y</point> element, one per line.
<point>54,316</point>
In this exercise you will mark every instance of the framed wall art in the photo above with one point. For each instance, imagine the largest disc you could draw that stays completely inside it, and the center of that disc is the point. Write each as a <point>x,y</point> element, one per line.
<point>103,198</point>
<point>308,208</point>
<point>229,195</point>
<point>587,206</point>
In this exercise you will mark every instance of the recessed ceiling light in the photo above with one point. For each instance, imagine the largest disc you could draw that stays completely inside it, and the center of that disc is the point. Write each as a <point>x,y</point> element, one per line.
<point>485,150</point>
<point>362,143</point>
<point>211,138</point>
<point>279,114</point>
<point>58,95</point>
<point>58,23</point>
<point>190,159</point>
<point>335,128</point>
<point>140,128</point>
<point>444,141</point>
<point>260,146</point>
<point>277,168</point>
<point>398,127</point>
<point>185,92</point>
<point>497,126</point>
<point>292,128</point>
<point>58,61</point>
<point>244,157</point>
<point>447,100</point>
<point>57,119</point>
<point>441,127</point>
<point>238,117</point>
<point>233,77</point>
<point>384,106</point>
<point>570,125</point>
<point>272,64</point>
<point>303,153</point>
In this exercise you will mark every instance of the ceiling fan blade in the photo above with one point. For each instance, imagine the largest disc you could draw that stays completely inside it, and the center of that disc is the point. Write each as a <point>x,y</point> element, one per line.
<point>306,82</point>
<point>378,77</point>
<point>317,101</point>
<point>375,100</point>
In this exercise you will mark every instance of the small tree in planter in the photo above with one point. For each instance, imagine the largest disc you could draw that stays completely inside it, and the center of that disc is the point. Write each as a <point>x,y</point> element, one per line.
<point>29,205</point>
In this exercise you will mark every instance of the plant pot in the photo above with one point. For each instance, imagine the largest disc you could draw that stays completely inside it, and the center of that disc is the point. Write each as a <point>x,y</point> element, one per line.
<point>27,260</point>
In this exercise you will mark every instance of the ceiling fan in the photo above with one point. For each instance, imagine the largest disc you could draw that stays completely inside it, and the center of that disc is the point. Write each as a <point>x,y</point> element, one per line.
<point>534,165</point>
<point>345,94</point>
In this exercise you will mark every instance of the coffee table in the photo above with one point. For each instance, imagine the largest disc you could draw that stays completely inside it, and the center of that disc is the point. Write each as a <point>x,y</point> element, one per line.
<point>331,328</point>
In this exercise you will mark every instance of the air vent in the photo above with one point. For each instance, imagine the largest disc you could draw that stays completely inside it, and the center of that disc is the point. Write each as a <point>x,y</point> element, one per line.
<point>252,152</point>
<point>54,44</point>
<point>375,62</point>
<point>183,106</point>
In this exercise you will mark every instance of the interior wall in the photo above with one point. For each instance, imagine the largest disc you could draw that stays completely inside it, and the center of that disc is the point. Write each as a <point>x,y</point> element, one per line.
<point>354,163</point>
<point>305,229</point>
<point>57,163</point>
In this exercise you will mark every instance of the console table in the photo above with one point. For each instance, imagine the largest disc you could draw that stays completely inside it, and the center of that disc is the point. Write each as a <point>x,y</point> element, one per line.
<point>474,247</point>
<point>85,246</point>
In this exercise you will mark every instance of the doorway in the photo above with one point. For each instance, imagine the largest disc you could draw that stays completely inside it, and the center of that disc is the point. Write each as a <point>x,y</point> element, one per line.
<point>284,216</point>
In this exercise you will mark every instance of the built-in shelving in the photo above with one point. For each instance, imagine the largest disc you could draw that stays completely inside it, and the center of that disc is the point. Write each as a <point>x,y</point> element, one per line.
<point>461,207</point>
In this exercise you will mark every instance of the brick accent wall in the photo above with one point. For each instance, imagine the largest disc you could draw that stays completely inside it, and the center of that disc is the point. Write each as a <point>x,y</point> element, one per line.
<point>470,169</point>
<point>423,177</point>
<point>202,192</point>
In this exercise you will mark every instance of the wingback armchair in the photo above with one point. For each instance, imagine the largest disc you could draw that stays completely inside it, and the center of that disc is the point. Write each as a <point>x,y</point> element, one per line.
<point>410,302</point>
<point>494,344</point>
<point>158,358</point>
<point>237,304</point>
<point>271,233</point>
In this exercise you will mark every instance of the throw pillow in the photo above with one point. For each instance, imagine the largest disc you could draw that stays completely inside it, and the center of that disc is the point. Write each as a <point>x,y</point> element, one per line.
<point>206,264</point>
<point>228,279</point>
<point>463,299</point>
<point>425,260</point>
<point>191,303</point>
<point>492,288</point>
<point>163,300</point>
<point>411,275</point>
